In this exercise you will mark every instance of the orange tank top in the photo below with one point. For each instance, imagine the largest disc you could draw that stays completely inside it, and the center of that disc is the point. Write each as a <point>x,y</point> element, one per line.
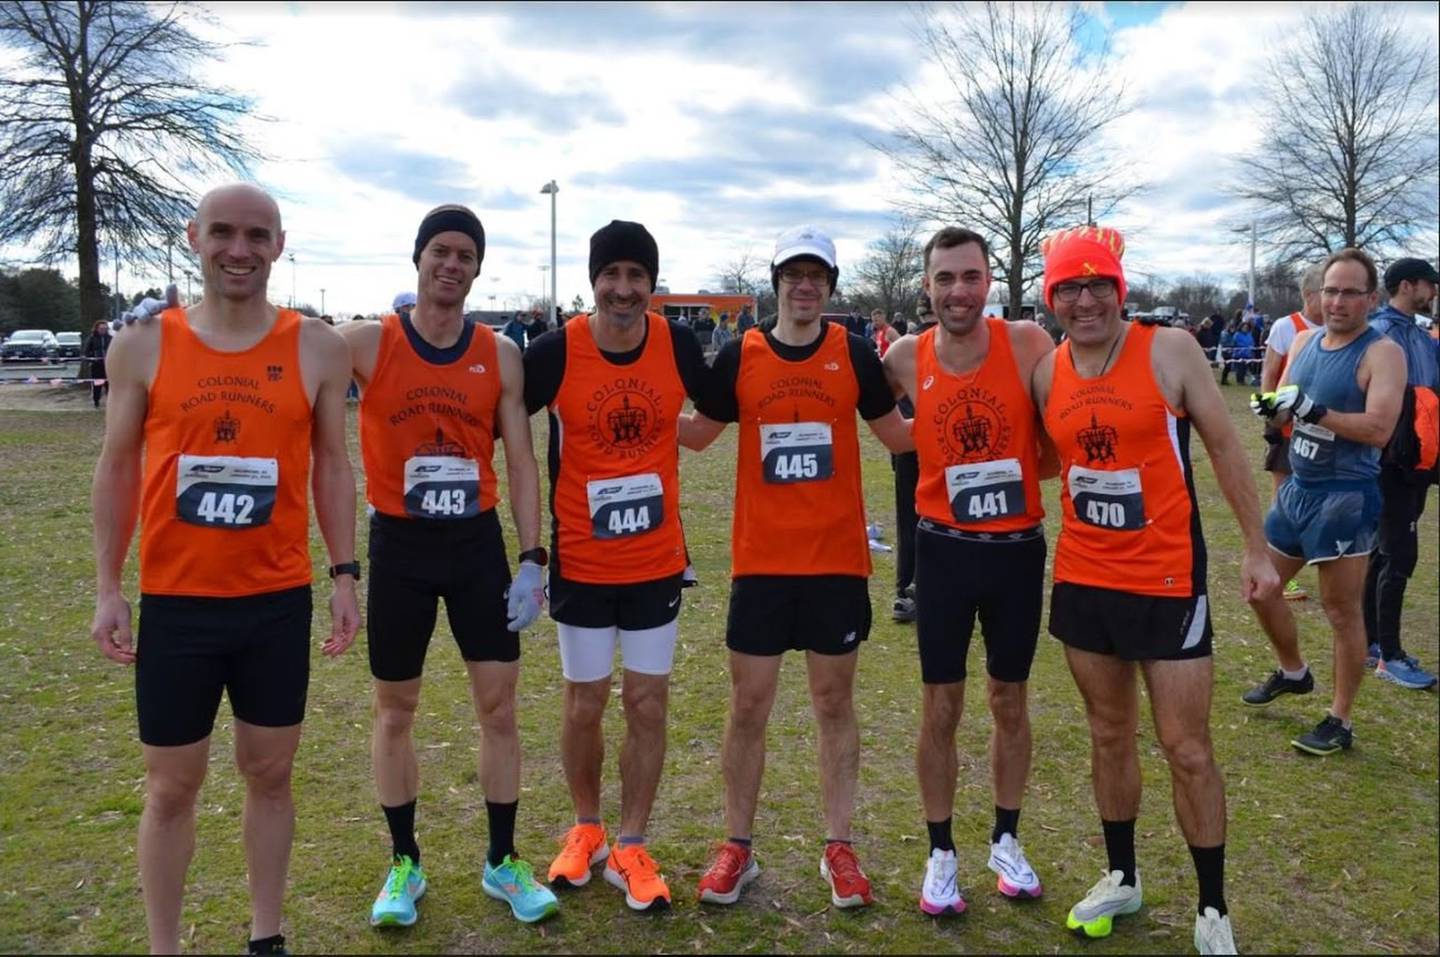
<point>427,431</point>
<point>224,509</point>
<point>975,438</point>
<point>1130,519</point>
<point>799,508</point>
<point>616,495</point>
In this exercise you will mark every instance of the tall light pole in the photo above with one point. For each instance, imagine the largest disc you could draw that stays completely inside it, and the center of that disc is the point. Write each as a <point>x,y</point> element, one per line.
<point>543,270</point>
<point>322,300</point>
<point>1252,264</point>
<point>552,189</point>
<point>292,279</point>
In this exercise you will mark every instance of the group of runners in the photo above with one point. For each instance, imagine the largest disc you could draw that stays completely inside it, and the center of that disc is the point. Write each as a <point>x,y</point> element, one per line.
<point>218,411</point>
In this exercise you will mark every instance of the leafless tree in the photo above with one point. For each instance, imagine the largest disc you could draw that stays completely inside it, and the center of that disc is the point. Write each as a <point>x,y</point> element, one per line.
<point>1349,153</point>
<point>1010,146</point>
<point>747,274</point>
<point>102,126</point>
<point>889,276</point>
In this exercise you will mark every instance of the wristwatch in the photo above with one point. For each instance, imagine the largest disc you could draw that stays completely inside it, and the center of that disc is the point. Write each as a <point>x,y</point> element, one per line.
<point>346,568</point>
<point>537,555</point>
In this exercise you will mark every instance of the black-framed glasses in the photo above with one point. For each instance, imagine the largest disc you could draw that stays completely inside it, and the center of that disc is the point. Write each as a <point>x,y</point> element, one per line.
<point>1347,294</point>
<point>795,275</point>
<point>1099,289</point>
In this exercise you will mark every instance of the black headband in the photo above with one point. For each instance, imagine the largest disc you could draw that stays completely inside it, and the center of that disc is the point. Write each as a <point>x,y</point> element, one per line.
<point>444,219</point>
<point>623,241</point>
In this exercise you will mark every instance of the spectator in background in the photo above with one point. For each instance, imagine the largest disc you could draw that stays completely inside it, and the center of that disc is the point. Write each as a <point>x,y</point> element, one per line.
<point>1244,347</point>
<point>514,330</point>
<point>536,327</point>
<point>745,321</point>
<point>403,304</point>
<point>881,332</point>
<point>96,346</point>
<point>900,324</point>
<point>1227,350</point>
<point>1208,334</point>
<point>723,333</point>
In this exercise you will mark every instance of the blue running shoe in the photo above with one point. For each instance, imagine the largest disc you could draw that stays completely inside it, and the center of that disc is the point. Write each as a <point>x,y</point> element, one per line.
<point>1405,672</point>
<point>395,904</point>
<point>1372,654</point>
<point>514,883</point>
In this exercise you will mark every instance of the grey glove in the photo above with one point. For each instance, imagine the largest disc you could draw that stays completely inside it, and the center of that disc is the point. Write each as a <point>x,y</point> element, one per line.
<point>525,597</point>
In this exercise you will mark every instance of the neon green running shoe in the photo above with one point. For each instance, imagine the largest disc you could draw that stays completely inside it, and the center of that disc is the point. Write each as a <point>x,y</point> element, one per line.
<point>514,883</point>
<point>395,904</point>
<point>1109,898</point>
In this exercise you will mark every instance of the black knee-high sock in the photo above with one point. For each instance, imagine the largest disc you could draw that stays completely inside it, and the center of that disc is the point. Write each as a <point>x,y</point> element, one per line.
<point>1120,848</point>
<point>502,831</point>
<point>402,830</point>
<point>1210,871</point>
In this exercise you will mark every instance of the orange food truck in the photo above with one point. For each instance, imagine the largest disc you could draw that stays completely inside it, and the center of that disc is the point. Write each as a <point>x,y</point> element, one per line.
<point>691,306</point>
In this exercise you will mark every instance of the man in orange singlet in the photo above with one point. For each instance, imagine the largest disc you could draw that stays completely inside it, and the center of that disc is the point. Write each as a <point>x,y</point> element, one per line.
<point>227,401</point>
<point>1118,400</point>
<point>980,545</point>
<point>614,384</point>
<point>436,390</point>
<point>799,555</point>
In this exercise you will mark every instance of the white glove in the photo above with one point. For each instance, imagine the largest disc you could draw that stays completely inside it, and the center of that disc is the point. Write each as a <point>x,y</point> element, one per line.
<point>525,597</point>
<point>146,310</point>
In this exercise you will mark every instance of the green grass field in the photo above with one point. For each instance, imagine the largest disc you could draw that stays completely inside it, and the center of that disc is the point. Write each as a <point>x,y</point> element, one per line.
<point>1336,855</point>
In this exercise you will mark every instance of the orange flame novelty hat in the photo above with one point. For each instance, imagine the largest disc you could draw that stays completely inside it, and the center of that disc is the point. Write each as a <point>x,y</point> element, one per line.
<point>1082,252</point>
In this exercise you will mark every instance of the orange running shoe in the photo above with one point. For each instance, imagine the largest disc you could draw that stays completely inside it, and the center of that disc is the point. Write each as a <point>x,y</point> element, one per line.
<point>584,846</point>
<point>734,867</point>
<point>634,871</point>
<point>849,887</point>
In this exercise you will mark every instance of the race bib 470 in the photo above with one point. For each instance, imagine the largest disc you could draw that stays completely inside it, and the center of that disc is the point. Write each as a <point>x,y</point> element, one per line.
<point>1110,500</point>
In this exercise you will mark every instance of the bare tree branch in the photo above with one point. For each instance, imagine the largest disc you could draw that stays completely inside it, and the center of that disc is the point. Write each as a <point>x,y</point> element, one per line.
<point>103,126</point>
<point>1350,155</point>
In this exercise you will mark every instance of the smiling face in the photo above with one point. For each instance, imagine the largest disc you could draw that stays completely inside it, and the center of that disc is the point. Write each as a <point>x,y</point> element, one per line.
<point>958,283</point>
<point>804,290</point>
<point>236,235</point>
<point>622,292</point>
<point>449,264</point>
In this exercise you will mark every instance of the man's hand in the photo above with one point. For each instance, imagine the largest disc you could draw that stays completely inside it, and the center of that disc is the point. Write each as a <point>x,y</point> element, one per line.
<point>344,617</point>
<point>525,597</point>
<point>1286,402</point>
<point>1259,581</point>
<point>111,628</point>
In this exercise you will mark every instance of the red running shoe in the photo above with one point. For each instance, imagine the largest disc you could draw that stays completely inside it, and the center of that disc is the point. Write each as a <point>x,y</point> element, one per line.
<point>734,867</point>
<point>849,887</point>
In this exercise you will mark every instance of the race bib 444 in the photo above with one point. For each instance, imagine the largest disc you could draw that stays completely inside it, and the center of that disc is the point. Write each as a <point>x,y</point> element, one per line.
<point>625,505</point>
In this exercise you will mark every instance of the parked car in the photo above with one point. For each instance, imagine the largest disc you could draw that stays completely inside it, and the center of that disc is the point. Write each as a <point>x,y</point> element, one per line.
<point>68,345</point>
<point>30,344</point>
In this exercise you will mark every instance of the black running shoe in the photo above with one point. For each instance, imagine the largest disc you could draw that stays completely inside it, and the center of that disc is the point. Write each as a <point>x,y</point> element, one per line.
<point>1329,736</point>
<point>1276,685</point>
<point>903,610</point>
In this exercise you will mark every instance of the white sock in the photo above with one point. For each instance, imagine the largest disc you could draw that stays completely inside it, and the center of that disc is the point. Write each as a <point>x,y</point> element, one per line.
<point>1295,675</point>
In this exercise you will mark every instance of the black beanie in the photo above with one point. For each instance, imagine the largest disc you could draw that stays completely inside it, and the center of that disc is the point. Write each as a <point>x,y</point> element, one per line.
<point>624,241</point>
<point>450,218</point>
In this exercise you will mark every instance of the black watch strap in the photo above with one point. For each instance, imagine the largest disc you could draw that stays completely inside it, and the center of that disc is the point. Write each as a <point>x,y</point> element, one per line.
<point>537,555</point>
<point>346,568</point>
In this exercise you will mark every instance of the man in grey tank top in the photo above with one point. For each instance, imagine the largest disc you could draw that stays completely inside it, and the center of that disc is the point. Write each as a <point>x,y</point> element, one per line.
<point>1342,388</point>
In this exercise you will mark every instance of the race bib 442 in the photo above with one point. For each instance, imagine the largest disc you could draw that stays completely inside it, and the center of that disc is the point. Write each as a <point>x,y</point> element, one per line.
<point>225,491</point>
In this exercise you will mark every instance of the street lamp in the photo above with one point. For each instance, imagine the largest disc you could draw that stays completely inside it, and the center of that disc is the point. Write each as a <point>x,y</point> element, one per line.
<point>322,300</point>
<point>551,189</point>
<point>292,279</point>
<point>1251,229</point>
<point>543,270</point>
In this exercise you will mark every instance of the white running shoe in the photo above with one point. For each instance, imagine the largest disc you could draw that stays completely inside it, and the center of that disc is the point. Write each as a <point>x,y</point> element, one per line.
<point>1016,878</point>
<point>1107,899</point>
<point>1213,934</point>
<point>939,895</point>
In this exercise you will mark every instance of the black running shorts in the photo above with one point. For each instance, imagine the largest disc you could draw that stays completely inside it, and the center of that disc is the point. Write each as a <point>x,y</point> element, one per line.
<point>634,607</point>
<point>416,562</point>
<point>1128,626</point>
<point>191,650</point>
<point>959,575</point>
<point>772,614</point>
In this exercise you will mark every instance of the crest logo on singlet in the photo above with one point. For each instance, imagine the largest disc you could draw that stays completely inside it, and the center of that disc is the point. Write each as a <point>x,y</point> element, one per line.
<point>973,425</point>
<point>274,373</point>
<point>625,417</point>
<point>227,428</point>
<point>1097,441</point>
<point>440,446</point>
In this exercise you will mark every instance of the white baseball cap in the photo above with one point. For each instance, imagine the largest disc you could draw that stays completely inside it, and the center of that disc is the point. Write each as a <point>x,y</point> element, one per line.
<point>804,240</point>
<point>403,299</point>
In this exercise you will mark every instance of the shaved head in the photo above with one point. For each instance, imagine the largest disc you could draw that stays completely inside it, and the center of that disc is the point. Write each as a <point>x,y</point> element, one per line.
<point>235,197</point>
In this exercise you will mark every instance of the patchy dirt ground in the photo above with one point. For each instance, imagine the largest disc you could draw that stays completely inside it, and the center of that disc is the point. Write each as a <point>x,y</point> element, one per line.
<point>47,398</point>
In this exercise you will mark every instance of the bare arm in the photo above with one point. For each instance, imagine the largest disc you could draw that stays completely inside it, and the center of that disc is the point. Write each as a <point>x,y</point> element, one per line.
<point>899,365</point>
<point>895,431</point>
<point>697,430</point>
<point>1270,370</point>
<point>522,473</point>
<point>115,492</point>
<point>363,338</point>
<point>1190,386</point>
<point>327,357</point>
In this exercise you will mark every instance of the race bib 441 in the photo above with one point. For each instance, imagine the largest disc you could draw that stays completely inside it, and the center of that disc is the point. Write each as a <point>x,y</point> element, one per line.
<point>225,491</point>
<point>985,490</point>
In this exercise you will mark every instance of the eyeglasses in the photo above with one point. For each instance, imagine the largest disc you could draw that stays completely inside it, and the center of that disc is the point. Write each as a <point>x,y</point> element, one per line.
<point>1348,294</point>
<point>794,276</point>
<point>1099,289</point>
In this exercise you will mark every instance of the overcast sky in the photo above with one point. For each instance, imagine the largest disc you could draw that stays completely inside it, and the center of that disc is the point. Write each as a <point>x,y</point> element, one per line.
<point>715,125</point>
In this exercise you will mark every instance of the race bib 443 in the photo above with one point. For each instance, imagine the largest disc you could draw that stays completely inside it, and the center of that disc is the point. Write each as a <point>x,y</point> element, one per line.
<point>225,491</point>
<point>442,487</point>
